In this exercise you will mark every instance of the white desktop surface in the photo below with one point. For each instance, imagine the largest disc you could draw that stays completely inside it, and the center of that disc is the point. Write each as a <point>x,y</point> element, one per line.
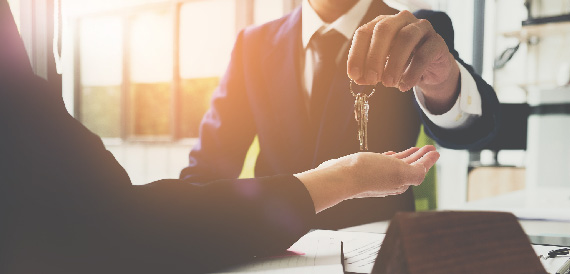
<point>550,207</point>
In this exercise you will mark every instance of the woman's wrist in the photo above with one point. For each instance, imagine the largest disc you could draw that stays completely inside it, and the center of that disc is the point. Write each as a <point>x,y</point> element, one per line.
<point>325,187</point>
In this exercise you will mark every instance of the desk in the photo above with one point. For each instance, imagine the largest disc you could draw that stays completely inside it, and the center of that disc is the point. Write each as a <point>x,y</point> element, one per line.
<point>367,247</point>
<point>530,227</point>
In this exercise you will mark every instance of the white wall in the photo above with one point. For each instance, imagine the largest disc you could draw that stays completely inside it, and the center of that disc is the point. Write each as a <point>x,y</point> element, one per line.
<point>535,65</point>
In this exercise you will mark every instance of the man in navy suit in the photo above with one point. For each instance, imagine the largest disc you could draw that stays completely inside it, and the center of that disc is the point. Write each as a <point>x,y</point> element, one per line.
<point>274,89</point>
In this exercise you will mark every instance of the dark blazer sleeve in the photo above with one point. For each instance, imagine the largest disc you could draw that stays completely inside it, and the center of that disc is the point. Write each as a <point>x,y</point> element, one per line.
<point>227,129</point>
<point>206,227</point>
<point>485,128</point>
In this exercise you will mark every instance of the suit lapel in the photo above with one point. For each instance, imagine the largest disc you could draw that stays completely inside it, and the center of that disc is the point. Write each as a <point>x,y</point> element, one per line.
<point>339,109</point>
<point>282,80</point>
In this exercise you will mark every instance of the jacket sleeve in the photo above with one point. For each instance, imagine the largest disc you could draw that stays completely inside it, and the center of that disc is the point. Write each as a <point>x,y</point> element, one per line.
<point>227,129</point>
<point>485,128</point>
<point>206,227</point>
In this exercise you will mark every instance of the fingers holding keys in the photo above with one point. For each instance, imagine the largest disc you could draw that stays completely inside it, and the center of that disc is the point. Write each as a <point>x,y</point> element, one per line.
<point>369,49</point>
<point>359,50</point>
<point>404,48</point>
<point>386,42</point>
<point>429,53</point>
<point>397,50</point>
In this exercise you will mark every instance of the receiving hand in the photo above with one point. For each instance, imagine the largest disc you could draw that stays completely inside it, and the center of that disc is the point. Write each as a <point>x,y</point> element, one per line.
<point>402,51</point>
<point>367,174</point>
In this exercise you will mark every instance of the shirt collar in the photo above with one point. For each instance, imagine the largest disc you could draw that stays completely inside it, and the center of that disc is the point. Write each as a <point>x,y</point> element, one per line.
<point>346,24</point>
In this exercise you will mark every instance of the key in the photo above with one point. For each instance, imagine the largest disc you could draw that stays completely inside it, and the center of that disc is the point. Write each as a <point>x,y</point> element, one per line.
<point>365,108</point>
<point>358,115</point>
<point>361,108</point>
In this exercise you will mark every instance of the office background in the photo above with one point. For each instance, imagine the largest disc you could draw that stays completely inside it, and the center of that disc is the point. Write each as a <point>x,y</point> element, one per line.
<point>141,72</point>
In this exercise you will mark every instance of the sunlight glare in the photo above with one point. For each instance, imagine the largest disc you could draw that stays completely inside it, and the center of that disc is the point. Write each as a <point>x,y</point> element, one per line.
<point>101,51</point>
<point>207,33</point>
<point>151,47</point>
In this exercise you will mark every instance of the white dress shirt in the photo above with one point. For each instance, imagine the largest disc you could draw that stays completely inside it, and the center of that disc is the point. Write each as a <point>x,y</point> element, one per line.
<point>467,108</point>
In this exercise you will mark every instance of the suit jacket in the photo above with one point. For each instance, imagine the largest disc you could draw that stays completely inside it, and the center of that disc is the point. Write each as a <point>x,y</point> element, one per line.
<point>67,206</point>
<point>261,94</point>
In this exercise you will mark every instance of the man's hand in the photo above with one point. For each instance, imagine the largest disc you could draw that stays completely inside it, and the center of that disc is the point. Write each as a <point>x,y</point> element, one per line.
<point>367,174</point>
<point>402,51</point>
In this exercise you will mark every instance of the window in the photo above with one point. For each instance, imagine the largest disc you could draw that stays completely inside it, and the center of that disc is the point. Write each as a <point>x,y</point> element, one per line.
<point>101,76</point>
<point>151,65</point>
<point>204,54</point>
<point>267,10</point>
<point>147,73</point>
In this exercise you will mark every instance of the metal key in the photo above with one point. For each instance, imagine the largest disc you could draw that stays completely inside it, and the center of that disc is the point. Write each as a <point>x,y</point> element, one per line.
<point>361,108</point>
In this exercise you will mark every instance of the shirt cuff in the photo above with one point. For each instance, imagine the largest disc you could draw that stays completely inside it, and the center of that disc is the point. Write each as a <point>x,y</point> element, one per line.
<point>466,109</point>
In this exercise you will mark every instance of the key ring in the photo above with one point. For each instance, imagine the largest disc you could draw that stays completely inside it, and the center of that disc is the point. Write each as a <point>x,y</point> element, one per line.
<point>558,252</point>
<point>354,94</point>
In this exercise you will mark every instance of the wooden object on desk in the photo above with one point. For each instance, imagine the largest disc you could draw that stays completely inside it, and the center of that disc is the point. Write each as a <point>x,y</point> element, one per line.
<point>456,242</point>
<point>486,182</point>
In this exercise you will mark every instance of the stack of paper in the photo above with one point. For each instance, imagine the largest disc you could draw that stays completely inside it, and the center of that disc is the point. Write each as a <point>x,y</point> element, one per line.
<point>360,248</point>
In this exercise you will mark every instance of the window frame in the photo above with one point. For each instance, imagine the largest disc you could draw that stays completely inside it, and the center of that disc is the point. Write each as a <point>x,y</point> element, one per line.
<point>244,16</point>
<point>36,26</point>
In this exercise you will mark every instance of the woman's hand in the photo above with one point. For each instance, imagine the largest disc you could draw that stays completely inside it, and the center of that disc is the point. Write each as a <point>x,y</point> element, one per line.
<point>367,174</point>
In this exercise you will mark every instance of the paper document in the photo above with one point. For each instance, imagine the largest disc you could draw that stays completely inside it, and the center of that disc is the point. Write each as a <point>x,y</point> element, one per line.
<point>550,264</point>
<point>312,254</point>
<point>360,248</point>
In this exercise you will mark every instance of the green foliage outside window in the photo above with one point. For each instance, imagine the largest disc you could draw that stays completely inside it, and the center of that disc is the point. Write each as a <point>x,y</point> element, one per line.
<point>100,110</point>
<point>426,193</point>
<point>195,100</point>
<point>150,109</point>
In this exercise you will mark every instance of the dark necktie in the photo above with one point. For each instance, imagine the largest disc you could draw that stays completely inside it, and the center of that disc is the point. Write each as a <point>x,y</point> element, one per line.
<point>327,47</point>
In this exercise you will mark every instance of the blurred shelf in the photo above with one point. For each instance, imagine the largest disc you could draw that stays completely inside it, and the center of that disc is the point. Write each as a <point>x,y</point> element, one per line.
<point>547,19</point>
<point>525,86</point>
<point>531,31</point>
